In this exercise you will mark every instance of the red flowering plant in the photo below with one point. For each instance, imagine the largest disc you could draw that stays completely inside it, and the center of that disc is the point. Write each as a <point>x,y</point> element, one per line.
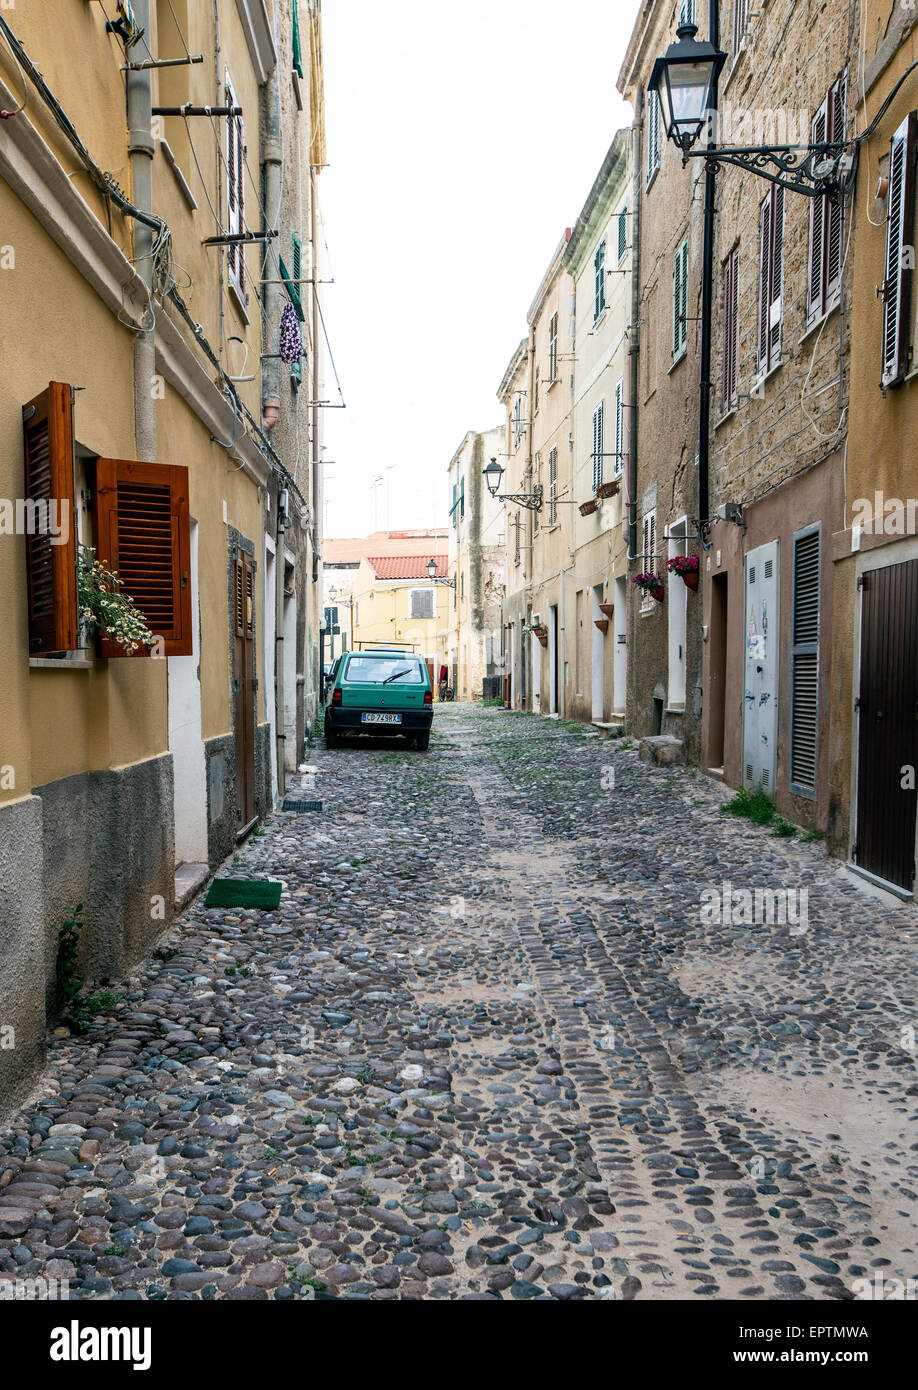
<point>683,564</point>
<point>651,584</point>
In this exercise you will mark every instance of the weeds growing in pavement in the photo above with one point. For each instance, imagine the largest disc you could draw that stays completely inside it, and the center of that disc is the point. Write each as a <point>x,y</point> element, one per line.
<point>756,807</point>
<point>78,1009</point>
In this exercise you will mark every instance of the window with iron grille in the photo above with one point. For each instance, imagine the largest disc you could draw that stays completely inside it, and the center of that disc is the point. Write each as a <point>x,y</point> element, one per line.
<point>653,134</point>
<point>687,12</point>
<point>235,192</point>
<point>517,420</point>
<point>553,347</point>
<point>680,301</point>
<point>729,372</point>
<point>537,470</point>
<point>771,279</point>
<point>599,280</point>
<point>552,486</point>
<point>622,233</point>
<point>516,539</point>
<point>900,228</point>
<point>825,250</point>
<point>805,663</point>
<point>598,444</point>
<point>619,428</point>
<point>422,603</point>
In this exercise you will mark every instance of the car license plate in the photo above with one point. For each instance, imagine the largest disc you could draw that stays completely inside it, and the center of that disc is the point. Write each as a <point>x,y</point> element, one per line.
<point>382,719</point>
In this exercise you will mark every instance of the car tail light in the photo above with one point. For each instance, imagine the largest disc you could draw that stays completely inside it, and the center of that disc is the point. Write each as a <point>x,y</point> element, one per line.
<point>428,697</point>
<point>336,695</point>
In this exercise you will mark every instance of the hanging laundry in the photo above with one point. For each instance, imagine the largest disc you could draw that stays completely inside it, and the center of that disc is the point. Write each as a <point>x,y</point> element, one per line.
<point>291,341</point>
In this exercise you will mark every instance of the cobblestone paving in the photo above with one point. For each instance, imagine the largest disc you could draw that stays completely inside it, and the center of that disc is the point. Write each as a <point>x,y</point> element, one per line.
<point>489,1046</point>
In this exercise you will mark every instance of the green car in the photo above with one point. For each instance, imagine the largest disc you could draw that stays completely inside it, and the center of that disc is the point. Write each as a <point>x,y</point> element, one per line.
<point>379,693</point>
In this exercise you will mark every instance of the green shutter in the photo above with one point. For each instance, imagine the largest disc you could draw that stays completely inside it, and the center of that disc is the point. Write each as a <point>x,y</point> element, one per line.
<point>297,47</point>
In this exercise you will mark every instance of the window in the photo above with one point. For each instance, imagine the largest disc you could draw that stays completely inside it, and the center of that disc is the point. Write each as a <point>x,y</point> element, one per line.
<point>377,670</point>
<point>680,301</point>
<point>552,486</point>
<point>728,389</point>
<point>517,420</point>
<point>825,252</point>
<point>598,444</point>
<point>47,424</point>
<point>687,12</point>
<point>618,461</point>
<point>649,545</point>
<point>462,497</point>
<point>454,509</point>
<point>805,663</point>
<point>740,10</point>
<point>516,539</point>
<point>900,221</point>
<point>297,44</point>
<point>422,603</point>
<point>622,233</point>
<point>538,481</point>
<point>235,192</point>
<point>771,279</point>
<point>553,348</point>
<point>535,393</point>
<point>599,280</point>
<point>653,135</point>
<point>142,530</point>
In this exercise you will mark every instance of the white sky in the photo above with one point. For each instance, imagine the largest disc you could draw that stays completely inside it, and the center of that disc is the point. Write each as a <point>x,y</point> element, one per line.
<point>462,140</point>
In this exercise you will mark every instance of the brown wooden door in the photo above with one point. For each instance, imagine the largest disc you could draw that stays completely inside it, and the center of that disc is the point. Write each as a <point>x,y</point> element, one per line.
<point>244,688</point>
<point>888,724</point>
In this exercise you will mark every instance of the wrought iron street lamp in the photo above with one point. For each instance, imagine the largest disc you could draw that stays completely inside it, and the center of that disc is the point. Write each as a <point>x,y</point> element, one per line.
<point>493,475</point>
<point>685,81</point>
<point>434,578</point>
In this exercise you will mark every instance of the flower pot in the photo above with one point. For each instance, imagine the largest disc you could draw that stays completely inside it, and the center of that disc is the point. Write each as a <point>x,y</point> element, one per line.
<point>607,489</point>
<point>602,624</point>
<point>690,578</point>
<point>543,638</point>
<point>587,508</point>
<point>607,608</point>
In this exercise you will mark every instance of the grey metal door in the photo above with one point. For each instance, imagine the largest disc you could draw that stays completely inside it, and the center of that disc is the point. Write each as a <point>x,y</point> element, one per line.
<point>760,689</point>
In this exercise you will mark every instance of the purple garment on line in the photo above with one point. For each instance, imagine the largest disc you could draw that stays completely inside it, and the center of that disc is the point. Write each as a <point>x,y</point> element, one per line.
<point>291,341</point>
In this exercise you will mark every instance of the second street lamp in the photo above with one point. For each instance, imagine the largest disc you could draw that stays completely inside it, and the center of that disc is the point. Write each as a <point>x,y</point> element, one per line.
<point>434,578</point>
<point>493,475</point>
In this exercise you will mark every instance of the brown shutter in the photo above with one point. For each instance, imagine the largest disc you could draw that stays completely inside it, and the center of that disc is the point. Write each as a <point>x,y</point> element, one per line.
<point>777,274</point>
<point>239,595</point>
<point>143,533</point>
<point>835,129</point>
<point>897,287</point>
<point>818,213</point>
<point>764,282</point>
<point>47,425</point>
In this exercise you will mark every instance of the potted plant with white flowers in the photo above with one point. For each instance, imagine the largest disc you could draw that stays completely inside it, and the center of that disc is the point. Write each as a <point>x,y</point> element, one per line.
<point>105,608</point>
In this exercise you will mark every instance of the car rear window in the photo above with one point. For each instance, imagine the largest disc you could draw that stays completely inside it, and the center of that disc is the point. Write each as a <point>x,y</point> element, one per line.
<point>375,670</point>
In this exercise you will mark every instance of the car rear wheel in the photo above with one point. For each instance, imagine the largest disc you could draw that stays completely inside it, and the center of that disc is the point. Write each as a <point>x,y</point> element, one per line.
<point>331,738</point>
<point>422,742</point>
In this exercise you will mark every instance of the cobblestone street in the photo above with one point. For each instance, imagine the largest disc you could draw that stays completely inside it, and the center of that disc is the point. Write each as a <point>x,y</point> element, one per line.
<point>491,1045</point>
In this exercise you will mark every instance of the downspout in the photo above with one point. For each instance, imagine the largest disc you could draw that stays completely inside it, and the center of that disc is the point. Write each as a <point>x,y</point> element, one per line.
<point>318,504</point>
<point>634,346</point>
<point>272,159</point>
<point>707,298</point>
<point>141,148</point>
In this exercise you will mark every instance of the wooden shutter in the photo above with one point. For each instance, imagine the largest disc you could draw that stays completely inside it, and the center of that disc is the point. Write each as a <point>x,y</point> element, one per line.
<point>653,134</point>
<point>239,595</point>
<point>622,233</point>
<point>739,25</point>
<point>777,275</point>
<point>619,427</point>
<point>805,664</point>
<point>729,373</point>
<point>680,299</point>
<point>297,43</point>
<point>835,130</point>
<point>764,267</point>
<point>143,533</point>
<point>900,220</point>
<point>818,211</point>
<point>597,445</point>
<point>47,426</point>
<point>235,168</point>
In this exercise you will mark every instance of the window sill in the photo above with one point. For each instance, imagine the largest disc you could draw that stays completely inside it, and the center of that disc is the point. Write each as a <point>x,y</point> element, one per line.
<point>728,415</point>
<point>598,318</point>
<point>180,179</point>
<point>547,386</point>
<point>681,358</point>
<point>239,301</point>
<point>62,663</point>
<point>737,59</point>
<point>555,526</point>
<point>650,182</point>
<point>761,381</point>
<point>818,324</point>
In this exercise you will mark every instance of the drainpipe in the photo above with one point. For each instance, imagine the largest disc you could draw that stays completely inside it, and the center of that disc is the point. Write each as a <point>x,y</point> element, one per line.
<point>272,161</point>
<point>707,298</point>
<point>634,347</point>
<point>318,503</point>
<point>141,148</point>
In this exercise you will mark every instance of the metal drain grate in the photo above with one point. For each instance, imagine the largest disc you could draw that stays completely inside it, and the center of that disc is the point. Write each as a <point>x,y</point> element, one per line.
<point>290,803</point>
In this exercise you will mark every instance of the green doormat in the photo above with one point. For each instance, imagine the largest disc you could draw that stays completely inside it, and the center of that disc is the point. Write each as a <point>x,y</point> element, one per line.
<point>243,892</point>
